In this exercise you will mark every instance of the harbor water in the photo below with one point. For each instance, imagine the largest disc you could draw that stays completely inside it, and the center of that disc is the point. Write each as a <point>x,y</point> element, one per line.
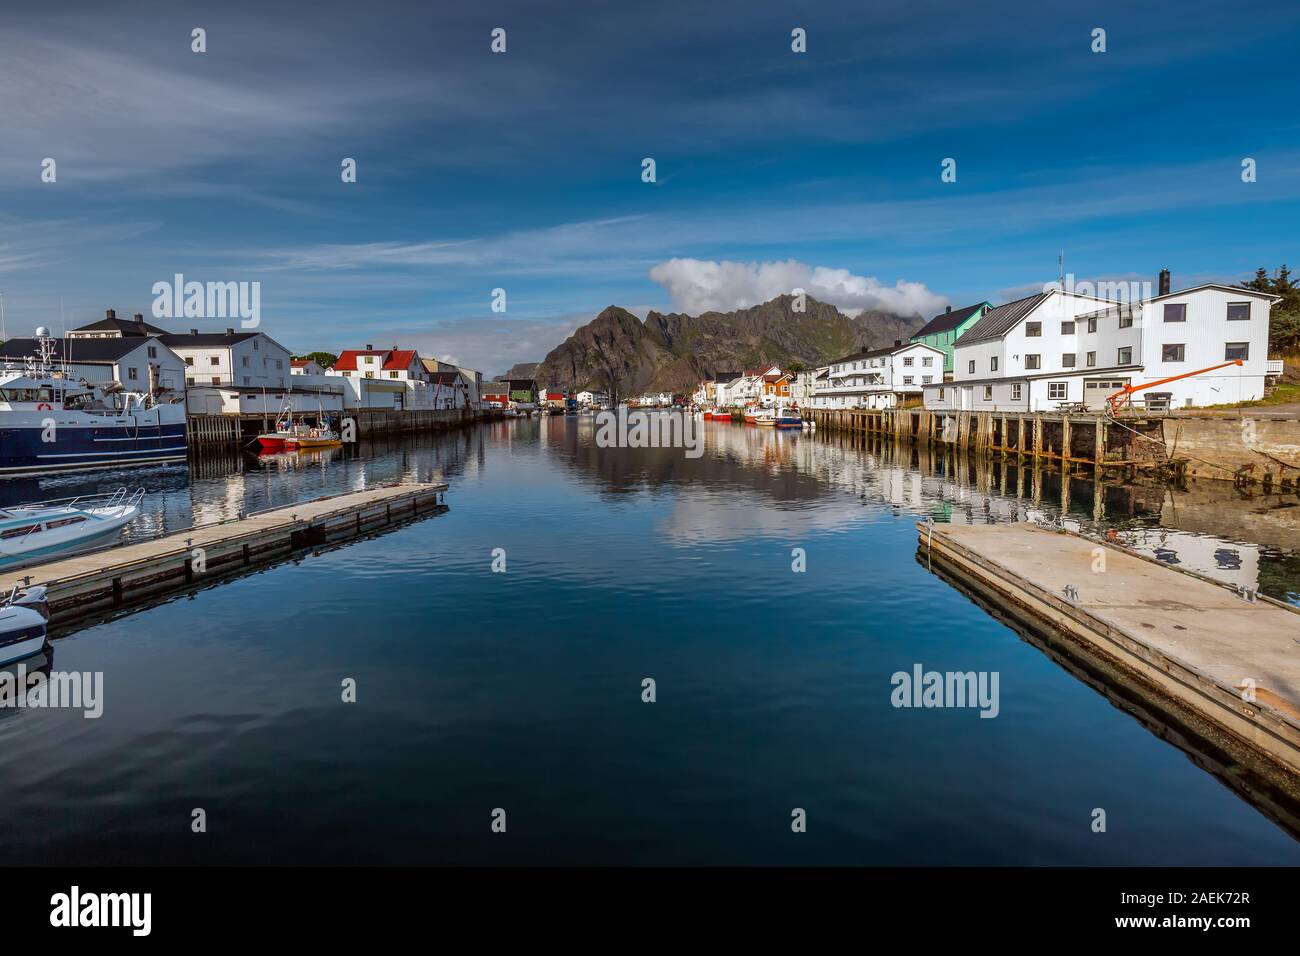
<point>769,588</point>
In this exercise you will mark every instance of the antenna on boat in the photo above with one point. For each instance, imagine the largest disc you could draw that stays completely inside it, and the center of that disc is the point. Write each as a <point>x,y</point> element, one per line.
<point>4,337</point>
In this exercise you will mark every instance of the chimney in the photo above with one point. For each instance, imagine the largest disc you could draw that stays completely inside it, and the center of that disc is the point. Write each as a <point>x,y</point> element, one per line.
<point>230,331</point>
<point>1164,282</point>
<point>194,331</point>
<point>369,347</point>
<point>139,318</point>
<point>110,313</point>
<point>898,343</point>
<point>949,309</point>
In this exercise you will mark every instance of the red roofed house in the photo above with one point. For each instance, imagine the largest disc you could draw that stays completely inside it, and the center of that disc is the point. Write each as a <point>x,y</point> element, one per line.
<point>384,378</point>
<point>302,366</point>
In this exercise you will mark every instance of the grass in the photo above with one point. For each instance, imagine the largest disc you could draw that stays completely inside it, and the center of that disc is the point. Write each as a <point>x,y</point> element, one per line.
<point>1286,393</point>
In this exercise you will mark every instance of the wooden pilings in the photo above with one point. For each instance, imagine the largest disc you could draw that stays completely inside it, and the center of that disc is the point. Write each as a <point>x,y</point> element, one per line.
<point>1033,436</point>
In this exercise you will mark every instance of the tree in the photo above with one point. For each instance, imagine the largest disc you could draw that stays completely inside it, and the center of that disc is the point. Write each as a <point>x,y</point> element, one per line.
<point>323,359</point>
<point>1284,318</point>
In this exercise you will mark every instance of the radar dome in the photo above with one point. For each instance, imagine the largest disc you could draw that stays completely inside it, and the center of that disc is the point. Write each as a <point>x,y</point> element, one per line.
<point>42,332</point>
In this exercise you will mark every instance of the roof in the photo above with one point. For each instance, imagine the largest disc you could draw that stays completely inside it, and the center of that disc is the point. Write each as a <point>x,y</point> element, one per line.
<point>394,360</point>
<point>1234,289</point>
<point>1116,309</point>
<point>204,339</point>
<point>887,350</point>
<point>124,326</point>
<point>998,322</point>
<point>79,350</point>
<point>947,321</point>
<point>521,383</point>
<point>300,363</point>
<point>444,378</point>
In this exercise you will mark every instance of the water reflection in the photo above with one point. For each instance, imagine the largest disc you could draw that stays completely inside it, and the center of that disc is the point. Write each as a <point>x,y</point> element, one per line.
<point>749,481</point>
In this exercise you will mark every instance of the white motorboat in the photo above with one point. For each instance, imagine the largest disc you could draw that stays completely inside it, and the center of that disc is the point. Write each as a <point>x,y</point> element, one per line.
<point>41,529</point>
<point>23,616</point>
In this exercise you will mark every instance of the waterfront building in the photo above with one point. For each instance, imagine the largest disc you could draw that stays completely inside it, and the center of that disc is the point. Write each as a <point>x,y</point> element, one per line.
<point>890,377</point>
<point>1059,349</point>
<point>473,379</point>
<point>943,331</point>
<point>590,398</point>
<point>775,388</point>
<point>239,359</point>
<point>304,366</point>
<point>138,363</point>
<point>522,391</point>
<point>451,389</point>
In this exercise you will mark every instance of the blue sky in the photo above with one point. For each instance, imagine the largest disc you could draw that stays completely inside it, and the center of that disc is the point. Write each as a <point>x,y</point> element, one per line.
<point>522,170</point>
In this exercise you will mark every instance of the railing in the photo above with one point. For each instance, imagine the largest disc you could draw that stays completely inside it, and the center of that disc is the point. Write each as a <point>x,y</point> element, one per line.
<point>1275,367</point>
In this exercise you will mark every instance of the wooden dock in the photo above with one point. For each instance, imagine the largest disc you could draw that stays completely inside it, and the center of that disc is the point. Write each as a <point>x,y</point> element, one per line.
<point>109,578</point>
<point>1225,663</point>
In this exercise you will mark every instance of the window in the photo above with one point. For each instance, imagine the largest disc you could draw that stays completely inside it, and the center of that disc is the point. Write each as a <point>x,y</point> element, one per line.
<point>907,361</point>
<point>132,374</point>
<point>1067,328</point>
<point>1033,329</point>
<point>1175,312</point>
<point>392,375</point>
<point>1124,356</point>
<point>970,366</point>
<point>19,532</point>
<point>189,360</point>
<point>216,380</point>
<point>988,393</point>
<point>1067,360</point>
<point>248,380</point>
<point>1238,311</point>
<point>927,360</point>
<point>941,395</point>
<point>1033,361</point>
<point>1058,391</point>
<point>1126,320</point>
<point>279,363</point>
<point>993,364</point>
<point>1090,359</point>
<point>1173,353</point>
<point>189,380</point>
<point>255,346</point>
<point>1236,350</point>
<point>927,379</point>
<point>1015,392</point>
<point>907,379</point>
<point>214,360</point>
<point>1092,325</point>
<point>245,362</point>
<point>153,349</point>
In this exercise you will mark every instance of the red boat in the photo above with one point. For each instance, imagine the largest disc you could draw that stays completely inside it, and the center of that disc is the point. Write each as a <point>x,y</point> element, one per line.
<point>708,415</point>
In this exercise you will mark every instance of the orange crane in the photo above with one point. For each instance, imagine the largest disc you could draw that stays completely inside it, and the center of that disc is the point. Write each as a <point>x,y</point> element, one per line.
<point>1117,400</point>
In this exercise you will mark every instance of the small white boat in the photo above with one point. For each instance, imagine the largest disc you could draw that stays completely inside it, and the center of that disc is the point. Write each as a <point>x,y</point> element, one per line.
<point>23,617</point>
<point>43,529</point>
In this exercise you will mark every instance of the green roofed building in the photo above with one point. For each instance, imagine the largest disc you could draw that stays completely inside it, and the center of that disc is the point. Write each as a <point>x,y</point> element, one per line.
<point>946,328</point>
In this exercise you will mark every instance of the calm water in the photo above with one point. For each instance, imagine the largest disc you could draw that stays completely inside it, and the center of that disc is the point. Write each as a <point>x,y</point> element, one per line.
<point>522,690</point>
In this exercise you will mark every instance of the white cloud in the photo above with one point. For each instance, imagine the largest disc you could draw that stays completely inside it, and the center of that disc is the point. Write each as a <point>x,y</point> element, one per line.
<point>701,285</point>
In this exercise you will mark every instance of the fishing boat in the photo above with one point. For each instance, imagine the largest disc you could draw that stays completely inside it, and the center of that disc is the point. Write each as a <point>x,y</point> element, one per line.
<point>306,436</point>
<point>751,414</point>
<point>764,416</point>
<point>50,423</point>
<point>46,528</point>
<point>787,418</point>
<point>23,617</point>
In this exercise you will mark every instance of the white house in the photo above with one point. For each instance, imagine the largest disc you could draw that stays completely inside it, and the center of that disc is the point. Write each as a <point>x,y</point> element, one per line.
<point>450,389</point>
<point>304,366</point>
<point>880,378</point>
<point>588,399</point>
<point>473,379</point>
<point>241,359</point>
<point>1060,349</point>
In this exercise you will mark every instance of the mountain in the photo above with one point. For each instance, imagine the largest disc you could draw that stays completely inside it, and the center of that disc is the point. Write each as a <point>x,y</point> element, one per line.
<point>519,370</point>
<point>618,353</point>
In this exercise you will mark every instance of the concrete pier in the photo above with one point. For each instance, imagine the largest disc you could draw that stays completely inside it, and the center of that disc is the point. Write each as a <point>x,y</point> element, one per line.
<point>1220,659</point>
<point>112,577</point>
